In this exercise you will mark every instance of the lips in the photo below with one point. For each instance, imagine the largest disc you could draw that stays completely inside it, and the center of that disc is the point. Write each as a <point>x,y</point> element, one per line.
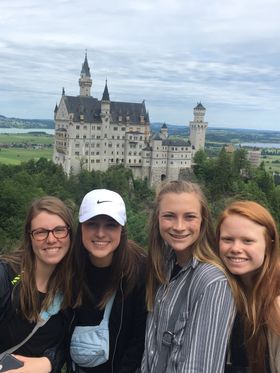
<point>100,243</point>
<point>179,236</point>
<point>237,260</point>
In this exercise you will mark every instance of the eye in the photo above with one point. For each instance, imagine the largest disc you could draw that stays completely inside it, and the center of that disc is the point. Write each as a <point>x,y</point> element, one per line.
<point>248,241</point>
<point>90,224</point>
<point>190,217</point>
<point>226,239</point>
<point>112,225</point>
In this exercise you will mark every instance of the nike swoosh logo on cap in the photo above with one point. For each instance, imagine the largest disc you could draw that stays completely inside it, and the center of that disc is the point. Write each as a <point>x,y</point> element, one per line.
<point>102,201</point>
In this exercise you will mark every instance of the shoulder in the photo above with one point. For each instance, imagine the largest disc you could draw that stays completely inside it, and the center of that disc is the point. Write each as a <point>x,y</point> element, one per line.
<point>208,273</point>
<point>6,272</point>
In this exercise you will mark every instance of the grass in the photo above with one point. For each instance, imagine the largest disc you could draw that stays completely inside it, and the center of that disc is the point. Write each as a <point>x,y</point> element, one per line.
<point>16,155</point>
<point>270,164</point>
<point>26,138</point>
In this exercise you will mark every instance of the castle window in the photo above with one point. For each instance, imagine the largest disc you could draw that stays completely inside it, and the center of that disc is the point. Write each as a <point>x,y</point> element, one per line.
<point>98,145</point>
<point>84,137</point>
<point>115,128</point>
<point>77,145</point>
<point>86,153</point>
<point>92,153</point>
<point>118,145</point>
<point>77,153</point>
<point>97,153</point>
<point>85,127</point>
<point>98,161</point>
<point>77,127</point>
<point>123,128</point>
<point>92,161</point>
<point>110,145</point>
<point>113,137</point>
<point>98,128</point>
<point>134,160</point>
<point>77,136</point>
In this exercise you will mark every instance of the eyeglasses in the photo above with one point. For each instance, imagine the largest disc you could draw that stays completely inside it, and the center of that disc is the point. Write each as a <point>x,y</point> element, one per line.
<point>41,234</point>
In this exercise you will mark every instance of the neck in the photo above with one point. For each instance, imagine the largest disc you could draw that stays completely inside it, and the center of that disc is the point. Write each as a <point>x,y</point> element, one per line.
<point>42,277</point>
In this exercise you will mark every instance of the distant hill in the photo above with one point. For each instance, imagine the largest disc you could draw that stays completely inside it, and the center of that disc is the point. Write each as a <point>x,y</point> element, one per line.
<point>25,123</point>
<point>213,134</point>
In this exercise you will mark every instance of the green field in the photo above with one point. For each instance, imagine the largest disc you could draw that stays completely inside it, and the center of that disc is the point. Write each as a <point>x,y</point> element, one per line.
<point>21,153</point>
<point>272,163</point>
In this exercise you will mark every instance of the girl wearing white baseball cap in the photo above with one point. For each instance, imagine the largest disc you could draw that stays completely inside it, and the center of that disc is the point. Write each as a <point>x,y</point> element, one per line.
<point>113,315</point>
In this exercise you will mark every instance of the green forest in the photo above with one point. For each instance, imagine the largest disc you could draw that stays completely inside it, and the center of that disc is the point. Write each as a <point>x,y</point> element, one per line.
<point>223,178</point>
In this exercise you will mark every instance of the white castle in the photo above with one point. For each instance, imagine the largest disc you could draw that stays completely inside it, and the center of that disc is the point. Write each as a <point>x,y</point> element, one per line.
<point>96,134</point>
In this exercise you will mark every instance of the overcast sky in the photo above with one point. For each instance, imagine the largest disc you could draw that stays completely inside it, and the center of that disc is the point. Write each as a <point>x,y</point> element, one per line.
<point>170,53</point>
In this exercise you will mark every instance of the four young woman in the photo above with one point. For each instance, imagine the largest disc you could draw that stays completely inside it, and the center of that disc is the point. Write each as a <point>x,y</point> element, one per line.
<point>114,267</point>
<point>249,247</point>
<point>191,325</point>
<point>188,296</point>
<point>37,286</point>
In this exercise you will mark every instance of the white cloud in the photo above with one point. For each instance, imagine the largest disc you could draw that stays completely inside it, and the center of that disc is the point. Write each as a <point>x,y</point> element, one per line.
<point>172,53</point>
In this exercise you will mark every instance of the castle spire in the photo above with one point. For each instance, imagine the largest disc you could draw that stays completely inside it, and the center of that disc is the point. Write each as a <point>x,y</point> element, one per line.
<point>106,96</point>
<point>85,80</point>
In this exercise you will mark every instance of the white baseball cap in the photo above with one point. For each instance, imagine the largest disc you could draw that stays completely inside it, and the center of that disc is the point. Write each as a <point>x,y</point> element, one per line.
<point>102,202</point>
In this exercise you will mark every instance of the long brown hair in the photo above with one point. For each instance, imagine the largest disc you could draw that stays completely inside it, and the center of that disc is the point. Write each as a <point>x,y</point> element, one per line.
<point>23,262</point>
<point>258,305</point>
<point>203,248</point>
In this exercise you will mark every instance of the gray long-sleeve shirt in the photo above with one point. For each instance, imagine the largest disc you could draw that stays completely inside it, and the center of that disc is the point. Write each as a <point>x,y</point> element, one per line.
<point>203,324</point>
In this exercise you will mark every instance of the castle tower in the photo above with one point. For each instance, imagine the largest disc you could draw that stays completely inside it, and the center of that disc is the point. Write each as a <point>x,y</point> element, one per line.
<point>85,80</point>
<point>164,131</point>
<point>198,128</point>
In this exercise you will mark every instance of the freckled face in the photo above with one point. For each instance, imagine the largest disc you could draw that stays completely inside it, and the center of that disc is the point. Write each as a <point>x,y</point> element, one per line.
<point>242,246</point>
<point>180,222</point>
<point>101,236</point>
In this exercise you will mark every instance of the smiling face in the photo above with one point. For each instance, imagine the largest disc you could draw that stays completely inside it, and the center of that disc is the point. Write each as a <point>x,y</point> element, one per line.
<point>101,236</point>
<point>50,251</point>
<point>242,246</point>
<point>180,222</point>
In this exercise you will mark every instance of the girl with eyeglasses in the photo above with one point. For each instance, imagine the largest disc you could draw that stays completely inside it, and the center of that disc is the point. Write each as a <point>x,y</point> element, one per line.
<point>37,289</point>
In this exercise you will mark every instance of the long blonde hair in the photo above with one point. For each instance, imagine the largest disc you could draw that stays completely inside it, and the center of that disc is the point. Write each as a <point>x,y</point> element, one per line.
<point>258,306</point>
<point>204,247</point>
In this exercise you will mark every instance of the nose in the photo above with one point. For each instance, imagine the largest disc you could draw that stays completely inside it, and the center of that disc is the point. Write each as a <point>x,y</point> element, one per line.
<point>51,237</point>
<point>179,224</point>
<point>100,231</point>
<point>236,246</point>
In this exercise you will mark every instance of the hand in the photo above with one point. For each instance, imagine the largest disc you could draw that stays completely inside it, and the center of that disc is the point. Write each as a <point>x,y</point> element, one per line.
<point>32,365</point>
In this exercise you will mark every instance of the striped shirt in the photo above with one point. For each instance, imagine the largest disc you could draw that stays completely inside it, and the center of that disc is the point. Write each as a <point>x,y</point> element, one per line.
<point>203,324</point>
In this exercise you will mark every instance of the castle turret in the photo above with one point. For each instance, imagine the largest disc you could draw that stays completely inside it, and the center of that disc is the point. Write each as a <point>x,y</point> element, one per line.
<point>198,128</point>
<point>164,131</point>
<point>85,80</point>
<point>105,102</point>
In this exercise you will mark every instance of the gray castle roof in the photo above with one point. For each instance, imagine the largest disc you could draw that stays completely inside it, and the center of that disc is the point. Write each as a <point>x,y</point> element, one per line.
<point>170,142</point>
<point>200,106</point>
<point>106,96</point>
<point>85,68</point>
<point>90,107</point>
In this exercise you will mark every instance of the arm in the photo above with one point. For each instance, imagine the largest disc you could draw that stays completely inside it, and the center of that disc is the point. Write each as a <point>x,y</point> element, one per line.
<point>32,364</point>
<point>135,344</point>
<point>208,330</point>
<point>5,290</point>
